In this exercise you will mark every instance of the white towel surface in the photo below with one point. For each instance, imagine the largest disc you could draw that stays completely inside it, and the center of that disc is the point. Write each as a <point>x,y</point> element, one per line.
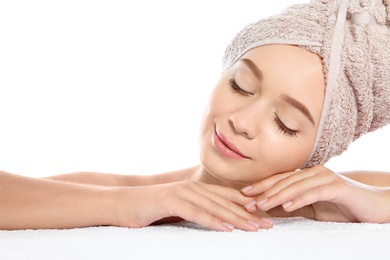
<point>291,238</point>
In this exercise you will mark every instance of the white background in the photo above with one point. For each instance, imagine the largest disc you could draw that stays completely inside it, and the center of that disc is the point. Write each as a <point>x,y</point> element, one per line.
<point>120,86</point>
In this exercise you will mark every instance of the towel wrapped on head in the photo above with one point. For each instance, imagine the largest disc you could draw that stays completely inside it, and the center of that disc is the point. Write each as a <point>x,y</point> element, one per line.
<point>353,39</point>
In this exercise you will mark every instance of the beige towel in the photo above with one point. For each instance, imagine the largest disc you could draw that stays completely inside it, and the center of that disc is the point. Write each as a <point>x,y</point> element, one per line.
<point>352,38</point>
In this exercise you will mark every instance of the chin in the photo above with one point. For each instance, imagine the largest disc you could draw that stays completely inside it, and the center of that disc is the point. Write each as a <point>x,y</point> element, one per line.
<point>226,169</point>
<point>227,173</point>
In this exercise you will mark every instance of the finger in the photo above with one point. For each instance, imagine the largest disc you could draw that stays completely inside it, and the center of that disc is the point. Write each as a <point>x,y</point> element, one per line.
<point>229,194</point>
<point>194,214</point>
<point>292,183</point>
<point>231,198</point>
<point>222,207</point>
<point>315,194</point>
<point>211,215</point>
<point>288,190</point>
<point>264,185</point>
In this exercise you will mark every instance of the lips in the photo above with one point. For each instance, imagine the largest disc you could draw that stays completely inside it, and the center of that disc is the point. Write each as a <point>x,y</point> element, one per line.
<point>227,148</point>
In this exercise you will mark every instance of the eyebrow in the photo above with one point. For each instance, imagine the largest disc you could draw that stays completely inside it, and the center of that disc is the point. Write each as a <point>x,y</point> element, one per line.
<point>298,105</point>
<point>288,99</point>
<point>255,70</point>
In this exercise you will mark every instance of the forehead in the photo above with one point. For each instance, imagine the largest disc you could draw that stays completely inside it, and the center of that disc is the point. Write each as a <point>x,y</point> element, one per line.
<point>287,60</point>
<point>291,70</point>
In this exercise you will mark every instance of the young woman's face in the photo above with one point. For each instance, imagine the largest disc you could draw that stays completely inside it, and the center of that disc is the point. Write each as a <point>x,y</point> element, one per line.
<point>263,115</point>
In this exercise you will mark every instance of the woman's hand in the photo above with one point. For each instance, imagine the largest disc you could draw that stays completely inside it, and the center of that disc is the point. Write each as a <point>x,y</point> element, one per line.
<point>211,206</point>
<point>318,193</point>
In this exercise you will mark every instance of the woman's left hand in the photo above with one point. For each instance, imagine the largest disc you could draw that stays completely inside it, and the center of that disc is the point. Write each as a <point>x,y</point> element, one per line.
<point>318,193</point>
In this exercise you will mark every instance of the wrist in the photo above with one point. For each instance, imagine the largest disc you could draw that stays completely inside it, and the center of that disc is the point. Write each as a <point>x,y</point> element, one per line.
<point>386,205</point>
<point>87,205</point>
<point>104,207</point>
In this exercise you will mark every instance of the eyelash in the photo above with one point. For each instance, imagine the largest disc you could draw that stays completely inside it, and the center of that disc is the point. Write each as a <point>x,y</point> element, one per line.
<point>237,89</point>
<point>282,127</point>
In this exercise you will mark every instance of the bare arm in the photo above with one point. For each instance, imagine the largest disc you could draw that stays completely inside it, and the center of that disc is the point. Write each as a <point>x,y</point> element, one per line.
<point>109,179</point>
<point>28,203</point>
<point>373,178</point>
<point>103,179</point>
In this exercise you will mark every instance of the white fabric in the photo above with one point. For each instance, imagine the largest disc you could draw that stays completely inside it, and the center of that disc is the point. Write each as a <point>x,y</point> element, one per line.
<point>293,238</point>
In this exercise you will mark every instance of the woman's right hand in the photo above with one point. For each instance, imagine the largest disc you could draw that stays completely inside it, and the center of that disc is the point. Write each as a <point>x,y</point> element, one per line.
<point>211,206</point>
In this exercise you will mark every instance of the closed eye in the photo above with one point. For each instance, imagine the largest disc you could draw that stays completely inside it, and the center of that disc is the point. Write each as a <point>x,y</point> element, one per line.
<point>282,127</point>
<point>234,86</point>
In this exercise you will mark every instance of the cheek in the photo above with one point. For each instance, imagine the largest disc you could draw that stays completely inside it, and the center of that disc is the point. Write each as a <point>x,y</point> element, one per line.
<point>216,106</point>
<point>212,110</point>
<point>278,153</point>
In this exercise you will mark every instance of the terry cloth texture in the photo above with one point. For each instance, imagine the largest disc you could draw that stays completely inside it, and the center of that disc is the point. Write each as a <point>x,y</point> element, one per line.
<point>353,39</point>
<point>290,238</point>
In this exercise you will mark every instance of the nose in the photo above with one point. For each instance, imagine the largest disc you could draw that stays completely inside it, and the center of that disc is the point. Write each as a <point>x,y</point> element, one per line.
<point>245,121</point>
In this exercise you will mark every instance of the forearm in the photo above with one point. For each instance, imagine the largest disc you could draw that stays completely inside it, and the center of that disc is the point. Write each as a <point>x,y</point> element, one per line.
<point>373,178</point>
<point>28,203</point>
<point>102,179</point>
<point>93,178</point>
<point>108,179</point>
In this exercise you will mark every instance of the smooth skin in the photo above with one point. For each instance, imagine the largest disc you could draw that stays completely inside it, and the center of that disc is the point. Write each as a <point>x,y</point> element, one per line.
<point>258,127</point>
<point>29,203</point>
<point>320,194</point>
<point>207,194</point>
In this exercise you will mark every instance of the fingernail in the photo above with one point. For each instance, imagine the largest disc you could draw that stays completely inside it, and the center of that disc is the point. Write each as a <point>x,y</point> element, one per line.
<point>250,205</point>
<point>268,221</point>
<point>228,226</point>
<point>287,204</point>
<point>246,189</point>
<point>253,224</point>
<point>261,202</point>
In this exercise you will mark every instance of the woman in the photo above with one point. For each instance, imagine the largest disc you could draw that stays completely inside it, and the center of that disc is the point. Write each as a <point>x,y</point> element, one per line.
<point>231,156</point>
<point>272,120</point>
<point>352,39</point>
